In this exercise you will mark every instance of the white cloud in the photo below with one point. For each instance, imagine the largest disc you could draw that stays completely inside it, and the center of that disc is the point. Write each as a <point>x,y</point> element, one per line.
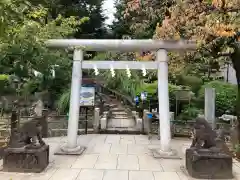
<point>109,10</point>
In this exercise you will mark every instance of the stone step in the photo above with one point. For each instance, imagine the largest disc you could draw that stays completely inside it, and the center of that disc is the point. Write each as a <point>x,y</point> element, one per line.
<point>121,131</point>
<point>119,112</point>
<point>121,123</point>
<point>121,117</point>
<point>117,109</point>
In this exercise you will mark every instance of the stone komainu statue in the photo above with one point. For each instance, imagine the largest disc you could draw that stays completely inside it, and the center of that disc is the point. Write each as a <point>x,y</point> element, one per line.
<point>28,135</point>
<point>31,132</point>
<point>205,137</point>
<point>208,157</point>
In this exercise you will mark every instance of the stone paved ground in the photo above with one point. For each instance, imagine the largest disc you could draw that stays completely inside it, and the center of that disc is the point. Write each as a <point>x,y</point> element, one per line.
<point>112,157</point>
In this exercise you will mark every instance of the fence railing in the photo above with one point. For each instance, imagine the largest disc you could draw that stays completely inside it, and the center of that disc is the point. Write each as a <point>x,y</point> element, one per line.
<point>127,100</point>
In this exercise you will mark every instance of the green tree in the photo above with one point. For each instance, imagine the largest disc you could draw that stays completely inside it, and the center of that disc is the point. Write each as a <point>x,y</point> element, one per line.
<point>120,26</point>
<point>93,9</point>
<point>22,48</point>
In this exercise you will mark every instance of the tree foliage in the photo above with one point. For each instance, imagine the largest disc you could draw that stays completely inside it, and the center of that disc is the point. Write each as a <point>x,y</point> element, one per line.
<point>204,21</point>
<point>143,16</point>
<point>22,48</point>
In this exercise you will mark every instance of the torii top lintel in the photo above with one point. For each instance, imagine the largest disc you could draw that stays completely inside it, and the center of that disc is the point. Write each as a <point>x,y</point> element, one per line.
<point>122,44</point>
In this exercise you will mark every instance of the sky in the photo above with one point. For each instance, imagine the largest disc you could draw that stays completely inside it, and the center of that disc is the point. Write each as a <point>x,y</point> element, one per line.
<point>109,11</point>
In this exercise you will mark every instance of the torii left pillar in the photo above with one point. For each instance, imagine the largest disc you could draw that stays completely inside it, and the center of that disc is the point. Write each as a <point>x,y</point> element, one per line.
<point>72,147</point>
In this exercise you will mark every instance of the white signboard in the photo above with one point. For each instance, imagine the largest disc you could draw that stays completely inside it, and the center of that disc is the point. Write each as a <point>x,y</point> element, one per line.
<point>87,96</point>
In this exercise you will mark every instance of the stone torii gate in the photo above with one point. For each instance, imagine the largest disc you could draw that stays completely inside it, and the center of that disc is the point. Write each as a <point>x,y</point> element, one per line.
<point>161,64</point>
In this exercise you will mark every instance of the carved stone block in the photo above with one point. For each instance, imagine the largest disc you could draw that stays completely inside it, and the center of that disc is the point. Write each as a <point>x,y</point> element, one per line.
<point>139,124</point>
<point>96,120</point>
<point>103,123</point>
<point>208,164</point>
<point>26,160</point>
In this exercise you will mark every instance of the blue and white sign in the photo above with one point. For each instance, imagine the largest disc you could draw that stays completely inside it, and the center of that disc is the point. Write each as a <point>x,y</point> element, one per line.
<point>136,99</point>
<point>87,96</point>
<point>143,96</point>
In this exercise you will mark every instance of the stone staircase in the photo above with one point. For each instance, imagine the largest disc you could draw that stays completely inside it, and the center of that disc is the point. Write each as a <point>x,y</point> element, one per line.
<point>121,121</point>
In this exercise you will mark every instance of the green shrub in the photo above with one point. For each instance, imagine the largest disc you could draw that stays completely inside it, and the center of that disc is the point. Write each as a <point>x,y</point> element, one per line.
<point>30,87</point>
<point>4,82</point>
<point>64,101</point>
<point>4,77</point>
<point>226,96</point>
<point>193,82</point>
<point>172,97</point>
<point>5,85</point>
<point>151,89</point>
<point>189,113</point>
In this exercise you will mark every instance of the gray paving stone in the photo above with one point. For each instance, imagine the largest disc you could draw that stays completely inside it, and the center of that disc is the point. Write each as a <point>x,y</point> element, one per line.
<point>86,140</point>
<point>90,174</point>
<point>118,149</point>
<point>54,146</point>
<point>113,139</point>
<point>45,175</point>
<point>235,161</point>
<point>99,148</point>
<point>85,161</point>
<point>171,165</point>
<point>183,176</point>
<point>148,163</point>
<point>108,161</point>
<point>128,162</point>
<point>115,175</point>
<point>100,138</point>
<point>12,176</point>
<point>166,175</point>
<point>137,149</point>
<point>65,174</point>
<point>127,139</point>
<point>141,139</point>
<point>64,161</point>
<point>141,175</point>
<point>236,169</point>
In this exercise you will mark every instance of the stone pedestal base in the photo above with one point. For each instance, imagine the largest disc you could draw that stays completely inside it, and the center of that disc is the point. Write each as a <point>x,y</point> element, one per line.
<point>159,154</point>
<point>208,164</point>
<point>68,151</point>
<point>26,160</point>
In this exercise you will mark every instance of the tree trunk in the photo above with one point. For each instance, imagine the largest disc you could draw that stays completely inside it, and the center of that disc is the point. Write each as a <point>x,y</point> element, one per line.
<point>238,112</point>
<point>236,65</point>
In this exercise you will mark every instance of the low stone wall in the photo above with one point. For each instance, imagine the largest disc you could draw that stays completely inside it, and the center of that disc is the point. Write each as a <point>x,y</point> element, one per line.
<point>63,132</point>
<point>51,133</point>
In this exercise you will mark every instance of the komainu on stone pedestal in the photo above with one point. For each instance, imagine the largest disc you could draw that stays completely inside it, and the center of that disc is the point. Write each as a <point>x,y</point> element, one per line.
<point>26,160</point>
<point>208,157</point>
<point>26,152</point>
<point>207,164</point>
